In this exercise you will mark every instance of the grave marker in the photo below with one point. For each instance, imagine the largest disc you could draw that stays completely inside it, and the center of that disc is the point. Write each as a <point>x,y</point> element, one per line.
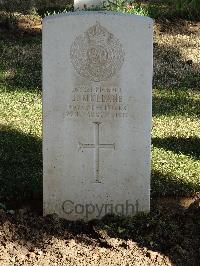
<point>97,77</point>
<point>82,4</point>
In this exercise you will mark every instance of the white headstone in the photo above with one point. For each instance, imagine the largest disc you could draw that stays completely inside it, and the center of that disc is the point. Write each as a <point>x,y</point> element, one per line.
<point>97,78</point>
<point>82,4</point>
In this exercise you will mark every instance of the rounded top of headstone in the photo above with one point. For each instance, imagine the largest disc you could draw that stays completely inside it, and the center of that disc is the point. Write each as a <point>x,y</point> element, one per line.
<point>69,15</point>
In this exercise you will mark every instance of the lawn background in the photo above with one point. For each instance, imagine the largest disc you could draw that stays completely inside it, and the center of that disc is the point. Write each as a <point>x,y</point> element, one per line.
<point>176,109</point>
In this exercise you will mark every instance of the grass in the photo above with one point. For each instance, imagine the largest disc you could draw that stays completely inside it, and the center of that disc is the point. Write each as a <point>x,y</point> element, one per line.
<point>175,142</point>
<point>176,116</point>
<point>20,119</point>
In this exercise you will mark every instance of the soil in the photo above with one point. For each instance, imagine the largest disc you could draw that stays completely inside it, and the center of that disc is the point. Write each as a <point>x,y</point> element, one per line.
<point>169,235</point>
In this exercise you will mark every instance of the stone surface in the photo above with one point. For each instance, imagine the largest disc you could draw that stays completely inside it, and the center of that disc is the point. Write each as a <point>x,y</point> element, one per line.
<point>97,77</point>
<point>82,4</point>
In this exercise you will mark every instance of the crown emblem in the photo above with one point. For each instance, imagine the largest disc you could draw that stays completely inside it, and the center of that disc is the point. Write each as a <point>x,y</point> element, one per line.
<point>96,30</point>
<point>97,33</point>
<point>97,54</point>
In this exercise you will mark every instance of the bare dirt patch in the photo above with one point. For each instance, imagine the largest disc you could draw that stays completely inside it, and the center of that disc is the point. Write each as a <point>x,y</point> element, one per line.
<point>168,236</point>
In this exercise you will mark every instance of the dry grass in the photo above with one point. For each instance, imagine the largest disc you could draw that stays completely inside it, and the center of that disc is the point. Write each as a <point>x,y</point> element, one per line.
<point>176,55</point>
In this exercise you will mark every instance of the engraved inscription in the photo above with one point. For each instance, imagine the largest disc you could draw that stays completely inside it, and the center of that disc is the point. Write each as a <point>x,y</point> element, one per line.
<point>97,102</point>
<point>96,146</point>
<point>97,54</point>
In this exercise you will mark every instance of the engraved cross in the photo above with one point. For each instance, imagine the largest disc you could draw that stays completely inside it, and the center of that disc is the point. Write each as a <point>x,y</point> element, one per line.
<point>96,146</point>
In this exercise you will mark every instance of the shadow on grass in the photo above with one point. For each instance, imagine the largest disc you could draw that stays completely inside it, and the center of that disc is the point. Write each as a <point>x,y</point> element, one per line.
<point>172,105</point>
<point>169,185</point>
<point>189,146</point>
<point>174,26</point>
<point>20,167</point>
<point>173,70</point>
<point>20,64</point>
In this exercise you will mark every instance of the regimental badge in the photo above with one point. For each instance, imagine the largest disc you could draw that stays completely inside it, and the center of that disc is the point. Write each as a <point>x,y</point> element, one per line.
<point>97,54</point>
